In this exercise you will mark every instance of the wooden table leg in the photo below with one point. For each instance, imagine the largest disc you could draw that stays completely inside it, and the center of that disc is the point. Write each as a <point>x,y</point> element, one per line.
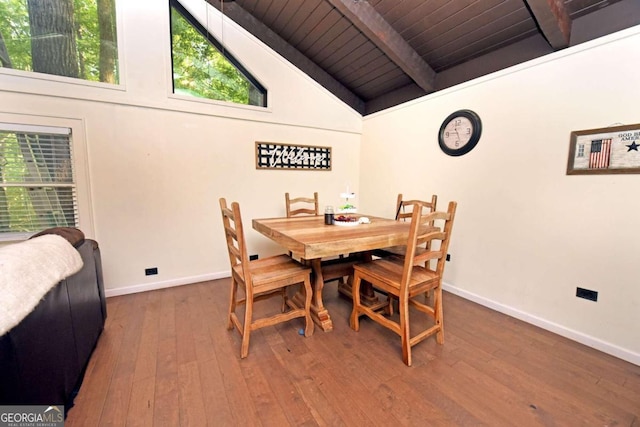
<point>319,313</point>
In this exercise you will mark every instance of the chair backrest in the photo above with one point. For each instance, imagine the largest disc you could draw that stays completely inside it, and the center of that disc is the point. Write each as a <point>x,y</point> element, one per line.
<point>234,234</point>
<point>404,207</point>
<point>432,227</point>
<point>303,205</point>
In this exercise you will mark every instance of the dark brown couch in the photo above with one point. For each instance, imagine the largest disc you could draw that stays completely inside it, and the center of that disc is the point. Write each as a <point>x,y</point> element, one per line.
<point>43,358</point>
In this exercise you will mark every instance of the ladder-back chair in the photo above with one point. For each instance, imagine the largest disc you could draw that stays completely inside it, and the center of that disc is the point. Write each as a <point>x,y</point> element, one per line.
<point>301,205</point>
<point>260,279</point>
<point>404,210</point>
<point>409,277</point>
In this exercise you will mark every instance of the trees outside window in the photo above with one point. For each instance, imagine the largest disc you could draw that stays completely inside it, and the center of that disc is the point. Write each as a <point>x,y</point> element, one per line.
<point>37,185</point>
<point>202,68</point>
<point>71,38</point>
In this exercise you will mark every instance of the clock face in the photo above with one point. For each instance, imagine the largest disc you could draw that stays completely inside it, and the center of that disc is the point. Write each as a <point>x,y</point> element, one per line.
<point>457,132</point>
<point>460,132</point>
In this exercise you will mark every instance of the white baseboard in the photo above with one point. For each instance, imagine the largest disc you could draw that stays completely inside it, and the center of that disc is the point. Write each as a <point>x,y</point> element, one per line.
<point>166,284</point>
<point>580,337</point>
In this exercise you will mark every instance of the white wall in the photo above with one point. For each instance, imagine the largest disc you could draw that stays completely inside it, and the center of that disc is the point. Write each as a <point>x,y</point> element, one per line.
<point>526,234</point>
<point>154,164</point>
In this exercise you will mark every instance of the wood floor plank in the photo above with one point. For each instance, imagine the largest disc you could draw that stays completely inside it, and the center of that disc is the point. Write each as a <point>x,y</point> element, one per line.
<point>116,404</point>
<point>302,368</point>
<point>281,385</point>
<point>89,404</point>
<point>230,365</point>
<point>166,393</point>
<point>532,392</point>
<point>166,408</point>
<point>166,358</point>
<point>184,333</point>
<point>147,357</point>
<point>131,323</point>
<point>192,412</point>
<point>219,409</point>
<point>142,403</point>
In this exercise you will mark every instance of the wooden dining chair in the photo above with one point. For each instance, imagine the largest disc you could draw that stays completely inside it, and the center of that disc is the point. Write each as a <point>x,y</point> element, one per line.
<point>260,279</point>
<point>409,277</point>
<point>404,210</point>
<point>301,205</point>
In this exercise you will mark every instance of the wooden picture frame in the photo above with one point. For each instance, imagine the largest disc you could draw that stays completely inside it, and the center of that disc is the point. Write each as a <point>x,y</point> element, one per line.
<point>275,155</point>
<point>612,150</point>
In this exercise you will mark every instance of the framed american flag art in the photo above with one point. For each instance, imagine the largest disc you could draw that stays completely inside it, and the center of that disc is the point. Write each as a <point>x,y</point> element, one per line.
<point>615,149</point>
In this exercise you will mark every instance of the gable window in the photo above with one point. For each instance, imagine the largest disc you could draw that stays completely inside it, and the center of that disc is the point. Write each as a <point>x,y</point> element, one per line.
<point>37,185</point>
<point>71,38</point>
<point>203,68</point>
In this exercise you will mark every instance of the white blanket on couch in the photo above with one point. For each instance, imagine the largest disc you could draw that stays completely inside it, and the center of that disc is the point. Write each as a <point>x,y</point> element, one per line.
<point>28,270</point>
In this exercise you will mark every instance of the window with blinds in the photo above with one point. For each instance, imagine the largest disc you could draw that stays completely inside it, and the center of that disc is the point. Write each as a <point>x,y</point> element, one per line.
<point>37,185</point>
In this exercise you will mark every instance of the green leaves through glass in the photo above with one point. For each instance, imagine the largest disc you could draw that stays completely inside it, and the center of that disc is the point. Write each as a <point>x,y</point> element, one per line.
<point>37,188</point>
<point>202,68</point>
<point>71,38</point>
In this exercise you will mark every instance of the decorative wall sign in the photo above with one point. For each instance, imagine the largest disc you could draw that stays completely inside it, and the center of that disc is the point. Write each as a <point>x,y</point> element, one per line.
<point>271,155</point>
<point>605,151</point>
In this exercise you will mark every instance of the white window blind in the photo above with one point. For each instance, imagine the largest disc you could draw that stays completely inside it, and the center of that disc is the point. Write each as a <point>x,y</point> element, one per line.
<point>37,185</point>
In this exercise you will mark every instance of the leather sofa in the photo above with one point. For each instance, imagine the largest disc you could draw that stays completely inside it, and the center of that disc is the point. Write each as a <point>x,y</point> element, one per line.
<point>44,357</point>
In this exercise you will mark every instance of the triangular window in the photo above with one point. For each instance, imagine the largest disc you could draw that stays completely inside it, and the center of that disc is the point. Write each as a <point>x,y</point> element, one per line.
<point>203,68</point>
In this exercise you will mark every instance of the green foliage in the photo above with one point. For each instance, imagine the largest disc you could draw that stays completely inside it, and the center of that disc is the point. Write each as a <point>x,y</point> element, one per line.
<point>22,216</point>
<point>14,27</point>
<point>200,70</point>
<point>15,30</point>
<point>87,38</point>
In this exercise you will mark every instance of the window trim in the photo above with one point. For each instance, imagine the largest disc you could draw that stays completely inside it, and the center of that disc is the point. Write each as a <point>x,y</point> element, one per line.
<point>79,81</point>
<point>80,166</point>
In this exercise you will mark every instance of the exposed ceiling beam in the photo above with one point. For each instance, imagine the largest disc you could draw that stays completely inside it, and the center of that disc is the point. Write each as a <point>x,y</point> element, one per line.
<point>378,30</point>
<point>290,53</point>
<point>554,21</point>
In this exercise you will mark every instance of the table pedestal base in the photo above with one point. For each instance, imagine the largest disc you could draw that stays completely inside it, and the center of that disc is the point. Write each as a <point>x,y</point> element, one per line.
<point>319,316</point>
<point>367,295</point>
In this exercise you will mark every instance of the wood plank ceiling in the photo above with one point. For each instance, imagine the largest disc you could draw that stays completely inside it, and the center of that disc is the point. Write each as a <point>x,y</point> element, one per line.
<point>379,53</point>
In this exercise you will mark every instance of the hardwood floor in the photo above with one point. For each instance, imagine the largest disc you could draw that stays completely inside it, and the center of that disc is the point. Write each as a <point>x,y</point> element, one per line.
<point>166,359</point>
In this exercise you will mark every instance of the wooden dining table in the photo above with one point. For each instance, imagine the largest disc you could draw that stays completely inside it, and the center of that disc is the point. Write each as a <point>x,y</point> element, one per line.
<point>311,240</point>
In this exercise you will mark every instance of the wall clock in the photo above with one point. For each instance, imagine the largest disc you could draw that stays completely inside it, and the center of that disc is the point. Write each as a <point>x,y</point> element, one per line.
<point>460,132</point>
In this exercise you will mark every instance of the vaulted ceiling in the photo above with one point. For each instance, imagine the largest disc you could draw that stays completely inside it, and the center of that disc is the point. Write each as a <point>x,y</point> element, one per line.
<point>374,54</point>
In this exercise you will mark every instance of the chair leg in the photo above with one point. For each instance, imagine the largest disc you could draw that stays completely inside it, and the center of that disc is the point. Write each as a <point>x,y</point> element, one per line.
<point>308,322</point>
<point>284,300</point>
<point>391,300</point>
<point>246,327</point>
<point>439,318</point>
<point>355,293</point>
<point>232,302</point>
<point>403,311</point>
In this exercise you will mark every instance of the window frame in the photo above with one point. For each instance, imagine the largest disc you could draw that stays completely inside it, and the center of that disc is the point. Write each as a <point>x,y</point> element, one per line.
<point>79,166</point>
<point>36,75</point>
<point>224,51</point>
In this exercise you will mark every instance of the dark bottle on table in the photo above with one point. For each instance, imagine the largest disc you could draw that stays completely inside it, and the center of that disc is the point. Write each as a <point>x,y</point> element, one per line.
<point>328,215</point>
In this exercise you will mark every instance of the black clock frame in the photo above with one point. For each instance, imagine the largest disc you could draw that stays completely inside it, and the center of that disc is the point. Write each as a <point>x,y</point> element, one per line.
<point>475,136</point>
